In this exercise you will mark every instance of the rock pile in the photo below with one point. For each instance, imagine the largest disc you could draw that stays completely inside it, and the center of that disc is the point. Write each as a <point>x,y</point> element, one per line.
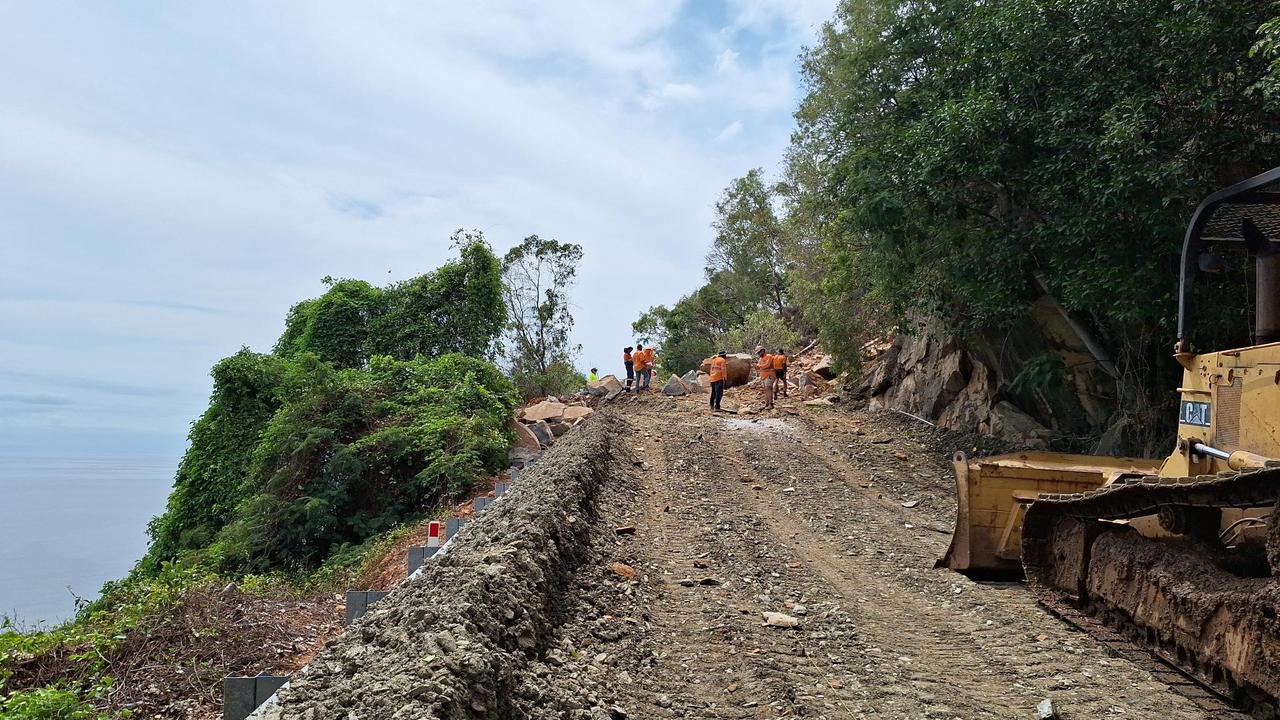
<point>540,424</point>
<point>462,638</point>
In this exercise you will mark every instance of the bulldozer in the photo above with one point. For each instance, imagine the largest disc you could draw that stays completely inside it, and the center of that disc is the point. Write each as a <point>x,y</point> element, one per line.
<point>1181,554</point>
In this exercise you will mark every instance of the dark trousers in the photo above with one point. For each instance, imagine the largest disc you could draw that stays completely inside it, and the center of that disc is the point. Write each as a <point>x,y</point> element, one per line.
<point>717,393</point>
<point>631,374</point>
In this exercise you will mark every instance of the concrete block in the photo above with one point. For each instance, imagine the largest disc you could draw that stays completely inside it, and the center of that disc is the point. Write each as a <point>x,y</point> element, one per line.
<point>241,695</point>
<point>453,525</point>
<point>418,554</point>
<point>500,489</point>
<point>359,601</point>
<point>481,503</point>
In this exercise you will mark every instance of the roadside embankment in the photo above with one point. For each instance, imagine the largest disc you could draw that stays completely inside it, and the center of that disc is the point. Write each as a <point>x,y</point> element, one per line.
<point>457,639</point>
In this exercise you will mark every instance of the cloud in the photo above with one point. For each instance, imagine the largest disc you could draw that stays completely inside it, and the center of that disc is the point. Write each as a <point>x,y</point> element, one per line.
<point>99,386</point>
<point>32,399</point>
<point>731,130</point>
<point>726,61</point>
<point>173,178</point>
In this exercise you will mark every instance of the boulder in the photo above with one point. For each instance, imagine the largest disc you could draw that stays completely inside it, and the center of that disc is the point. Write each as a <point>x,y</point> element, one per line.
<point>604,386</point>
<point>559,428</point>
<point>575,412</point>
<point>549,410</point>
<point>737,369</point>
<point>525,437</point>
<point>690,380</point>
<point>542,431</point>
<point>1006,421</point>
<point>823,368</point>
<point>675,386</point>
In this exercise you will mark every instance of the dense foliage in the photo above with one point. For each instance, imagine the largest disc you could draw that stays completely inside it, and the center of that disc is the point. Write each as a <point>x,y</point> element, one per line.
<point>376,403</point>
<point>458,308</point>
<point>538,274</point>
<point>970,148</point>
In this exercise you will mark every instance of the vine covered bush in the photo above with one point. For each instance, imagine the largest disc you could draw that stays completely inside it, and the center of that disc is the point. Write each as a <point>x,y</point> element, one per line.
<point>375,404</point>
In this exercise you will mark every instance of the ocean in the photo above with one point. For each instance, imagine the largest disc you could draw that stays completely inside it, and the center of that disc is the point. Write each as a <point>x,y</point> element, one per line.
<point>69,525</point>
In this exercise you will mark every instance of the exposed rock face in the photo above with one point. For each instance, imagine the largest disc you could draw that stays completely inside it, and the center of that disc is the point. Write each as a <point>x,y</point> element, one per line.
<point>965,385</point>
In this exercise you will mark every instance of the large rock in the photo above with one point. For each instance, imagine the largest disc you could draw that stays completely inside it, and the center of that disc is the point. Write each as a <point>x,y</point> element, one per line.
<point>548,410</point>
<point>542,431</point>
<point>574,412</point>
<point>675,386</point>
<point>1007,422</point>
<point>737,369</point>
<point>525,437</point>
<point>604,386</point>
<point>823,368</point>
<point>690,381</point>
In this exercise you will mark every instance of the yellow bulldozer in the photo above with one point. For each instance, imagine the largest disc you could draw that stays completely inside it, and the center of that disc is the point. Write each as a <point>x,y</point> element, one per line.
<point>1182,554</point>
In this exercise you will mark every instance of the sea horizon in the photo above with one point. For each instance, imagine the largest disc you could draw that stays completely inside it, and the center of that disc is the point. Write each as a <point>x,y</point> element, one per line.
<point>71,523</point>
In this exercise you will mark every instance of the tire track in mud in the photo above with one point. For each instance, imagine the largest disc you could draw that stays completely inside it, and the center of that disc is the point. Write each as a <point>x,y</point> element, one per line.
<point>886,635</point>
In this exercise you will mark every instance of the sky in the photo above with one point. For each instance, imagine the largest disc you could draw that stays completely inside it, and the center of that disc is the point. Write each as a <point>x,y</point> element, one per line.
<point>174,176</point>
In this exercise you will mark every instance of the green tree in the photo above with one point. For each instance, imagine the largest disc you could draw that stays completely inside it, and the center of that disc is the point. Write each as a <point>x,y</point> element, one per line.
<point>539,274</point>
<point>747,257</point>
<point>456,308</point>
<point>961,158</point>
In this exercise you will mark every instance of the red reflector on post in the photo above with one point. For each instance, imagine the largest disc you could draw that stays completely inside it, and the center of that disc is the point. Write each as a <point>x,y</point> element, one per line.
<point>434,531</point>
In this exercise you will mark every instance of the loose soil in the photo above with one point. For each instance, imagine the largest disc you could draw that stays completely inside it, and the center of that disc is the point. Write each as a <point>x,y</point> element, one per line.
<point>628,574</point>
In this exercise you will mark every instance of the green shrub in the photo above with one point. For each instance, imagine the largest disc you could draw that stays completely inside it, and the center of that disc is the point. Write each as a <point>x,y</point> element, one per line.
<point>356,452</point>
<point>46,703</point>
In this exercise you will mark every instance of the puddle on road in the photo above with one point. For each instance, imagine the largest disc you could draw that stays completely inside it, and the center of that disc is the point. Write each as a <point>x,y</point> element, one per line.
<point>761,425</point>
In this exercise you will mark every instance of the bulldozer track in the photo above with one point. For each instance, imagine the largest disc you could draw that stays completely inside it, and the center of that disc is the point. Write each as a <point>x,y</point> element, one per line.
<point>1205,696</point>
<point>1208,684</point>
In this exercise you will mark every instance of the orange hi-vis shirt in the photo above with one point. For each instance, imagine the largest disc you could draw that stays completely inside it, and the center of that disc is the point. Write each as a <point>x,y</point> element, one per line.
<point>717,368</point>
<point>644,359</point>
<point>765,366</point>
<point>779,361</point>
<point>639,358</point>
<point>626,357</point>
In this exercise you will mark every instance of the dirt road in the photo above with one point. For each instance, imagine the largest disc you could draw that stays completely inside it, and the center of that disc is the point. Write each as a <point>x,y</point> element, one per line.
<point>804,515</point>
<point>628,573</point>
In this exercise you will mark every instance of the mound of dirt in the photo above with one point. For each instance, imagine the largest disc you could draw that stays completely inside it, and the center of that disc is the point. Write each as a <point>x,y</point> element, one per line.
<point>459,639</point>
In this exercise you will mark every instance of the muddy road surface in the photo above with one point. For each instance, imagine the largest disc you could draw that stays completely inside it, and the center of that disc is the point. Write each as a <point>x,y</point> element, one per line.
<point>687,532</point>
<point>807,516</point>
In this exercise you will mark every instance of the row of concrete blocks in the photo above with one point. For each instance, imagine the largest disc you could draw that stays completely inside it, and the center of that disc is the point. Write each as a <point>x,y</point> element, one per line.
<point>241,695</point>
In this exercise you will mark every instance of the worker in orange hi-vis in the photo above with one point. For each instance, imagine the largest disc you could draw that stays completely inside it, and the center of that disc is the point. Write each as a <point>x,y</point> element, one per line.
<point>764,366</point>
<point>718,374</point>
<point>651,363</point>
<point>780,374</point>
<point>629,362</point>
<point>642,375</point>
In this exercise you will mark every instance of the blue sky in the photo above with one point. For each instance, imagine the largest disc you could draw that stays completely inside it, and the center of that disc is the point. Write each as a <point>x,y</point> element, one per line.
<point>173,176</point>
